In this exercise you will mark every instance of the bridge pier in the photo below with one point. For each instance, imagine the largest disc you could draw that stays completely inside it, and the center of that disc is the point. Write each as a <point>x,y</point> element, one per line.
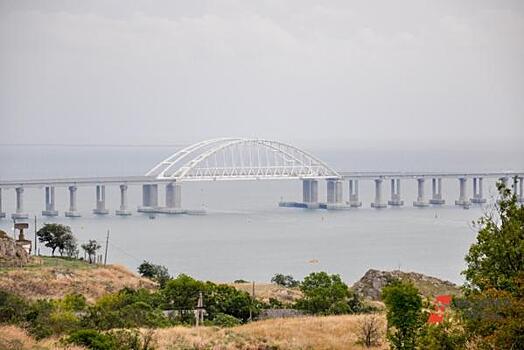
<point>335,198</point>
<point>173,199</point>
<point>49,202</point>
<point>2,214</point>
<point>72,213</point>
<point>478,197</point>
<point>462,201</point>
<point>436,195</point>
<point>100,201</point>
<point>395,194</point>
<point>310,193</point>
<point>378,203</point>
<point>123,211</point>
<point>149,198</point>
<point>354,202</point>
<point>20,214</point>
<point>421,201</point>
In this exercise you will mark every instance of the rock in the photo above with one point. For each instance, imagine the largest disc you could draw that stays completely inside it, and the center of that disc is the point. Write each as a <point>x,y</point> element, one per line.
<point>11,254</point>
<point>371,284</point>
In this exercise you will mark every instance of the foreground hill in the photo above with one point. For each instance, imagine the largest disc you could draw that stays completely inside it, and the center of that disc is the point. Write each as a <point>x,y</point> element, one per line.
<point>319,333</point>
<point>53,278</point>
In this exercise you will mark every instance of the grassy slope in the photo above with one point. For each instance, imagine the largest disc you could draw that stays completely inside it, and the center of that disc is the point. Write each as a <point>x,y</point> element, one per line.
<point>319,333</point>
<point>55,277</point>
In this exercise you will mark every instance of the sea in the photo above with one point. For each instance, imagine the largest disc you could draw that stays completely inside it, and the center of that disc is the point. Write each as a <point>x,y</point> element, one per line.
<point>244,234</point>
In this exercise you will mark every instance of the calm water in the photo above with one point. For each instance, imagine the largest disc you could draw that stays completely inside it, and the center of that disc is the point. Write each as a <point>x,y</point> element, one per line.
<point>245,235</point>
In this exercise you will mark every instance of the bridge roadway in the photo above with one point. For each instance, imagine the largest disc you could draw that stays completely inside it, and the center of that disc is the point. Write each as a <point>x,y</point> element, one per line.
<point>139,180</point>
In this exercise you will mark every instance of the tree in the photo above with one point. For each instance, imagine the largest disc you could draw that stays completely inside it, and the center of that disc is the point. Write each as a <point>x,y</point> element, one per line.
<point>324,294</point>
<point>181,294</point>
<point>404,314</point>
<point>493,308</point>
<point>91,248</point>
<point>285,280</point>
<point>56,236</point>
<point>157,273</point>
<point>370,331</point>
<point>496,260</point>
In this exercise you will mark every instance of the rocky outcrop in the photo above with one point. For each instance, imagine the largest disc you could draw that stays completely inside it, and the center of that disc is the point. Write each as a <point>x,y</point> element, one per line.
<point>11,254</point>
<point>371,284</point>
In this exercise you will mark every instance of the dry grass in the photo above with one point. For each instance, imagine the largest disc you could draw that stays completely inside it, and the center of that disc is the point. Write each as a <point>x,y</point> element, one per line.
<point>56,281</point>
<point>264,291</point>
<point>319,333</point>
<point>14,338</point>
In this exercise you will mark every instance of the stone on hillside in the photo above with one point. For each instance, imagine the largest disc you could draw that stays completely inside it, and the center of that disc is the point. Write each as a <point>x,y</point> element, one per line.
<point>371,284</point>
<point>11,254</point>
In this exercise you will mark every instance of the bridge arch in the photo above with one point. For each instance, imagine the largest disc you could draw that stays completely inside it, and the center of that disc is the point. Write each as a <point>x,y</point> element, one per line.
<point>241,159</point>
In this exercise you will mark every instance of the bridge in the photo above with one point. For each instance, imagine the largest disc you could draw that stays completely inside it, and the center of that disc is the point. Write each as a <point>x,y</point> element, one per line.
<point>228,159</point>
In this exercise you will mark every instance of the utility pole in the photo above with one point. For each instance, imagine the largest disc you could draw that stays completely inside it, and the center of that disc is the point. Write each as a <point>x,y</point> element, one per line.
<point>35,238</point>
<point>252,302</point>
<point>107,242</point>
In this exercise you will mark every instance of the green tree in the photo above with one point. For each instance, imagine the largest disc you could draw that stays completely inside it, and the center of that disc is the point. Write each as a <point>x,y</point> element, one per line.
<point>285,280</point>
<point>91,248</point>
<point>157,273</point>
<point>324,294</point>
<point>224,299</point>
<point>496,260</point>
<point>181,294</point>
<point>56,236</point>
<point>404,314</point>
<point>493,308</point>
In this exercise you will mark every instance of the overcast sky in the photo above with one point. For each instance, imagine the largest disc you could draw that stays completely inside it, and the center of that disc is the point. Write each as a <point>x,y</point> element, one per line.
<point>432,73</point>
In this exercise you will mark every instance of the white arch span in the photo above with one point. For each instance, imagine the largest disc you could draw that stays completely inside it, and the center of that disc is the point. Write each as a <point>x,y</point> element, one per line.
<point>241,159</point>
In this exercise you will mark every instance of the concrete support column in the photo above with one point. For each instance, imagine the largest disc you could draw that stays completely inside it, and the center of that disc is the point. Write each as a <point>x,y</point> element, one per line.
<point>310,193</point>
<point>462,201</point>
<point>123,202</point>
<point>173,196</point>
<point>19,205</point>
<point>421,201</point>
<point>354,202</point>
<point>436,193</point>
<point>378,203</point>
<point>49,202</point>
<point>2,214</point>
<point>149,198</point>
<point>395,193</point>
<point>334,194</point>
<point>72,213</point>
<point>100,201</point>
<point>478,196</point>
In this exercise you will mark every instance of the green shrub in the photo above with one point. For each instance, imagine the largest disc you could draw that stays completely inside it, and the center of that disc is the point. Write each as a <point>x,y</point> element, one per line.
<point>154,272</point>
<point>324,295</point>
<point>91,339</point>
<point>223,320</point>
<point>404,314</point>
<point>13,309</point>
<point>127,308</point>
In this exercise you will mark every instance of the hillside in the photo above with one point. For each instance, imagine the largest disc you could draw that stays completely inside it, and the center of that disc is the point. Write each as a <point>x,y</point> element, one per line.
<point>53,278</point>
<point>319,333</point>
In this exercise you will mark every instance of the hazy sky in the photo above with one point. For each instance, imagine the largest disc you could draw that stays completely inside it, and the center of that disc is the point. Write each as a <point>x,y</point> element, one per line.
<point>433,73</point>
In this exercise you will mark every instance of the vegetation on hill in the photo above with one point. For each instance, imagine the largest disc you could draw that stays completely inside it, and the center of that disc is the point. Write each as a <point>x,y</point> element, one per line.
<point>53,278</point>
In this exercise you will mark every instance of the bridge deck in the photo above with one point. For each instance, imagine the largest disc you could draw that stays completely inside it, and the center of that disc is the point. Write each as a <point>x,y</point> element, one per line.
<point>85,181</point>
